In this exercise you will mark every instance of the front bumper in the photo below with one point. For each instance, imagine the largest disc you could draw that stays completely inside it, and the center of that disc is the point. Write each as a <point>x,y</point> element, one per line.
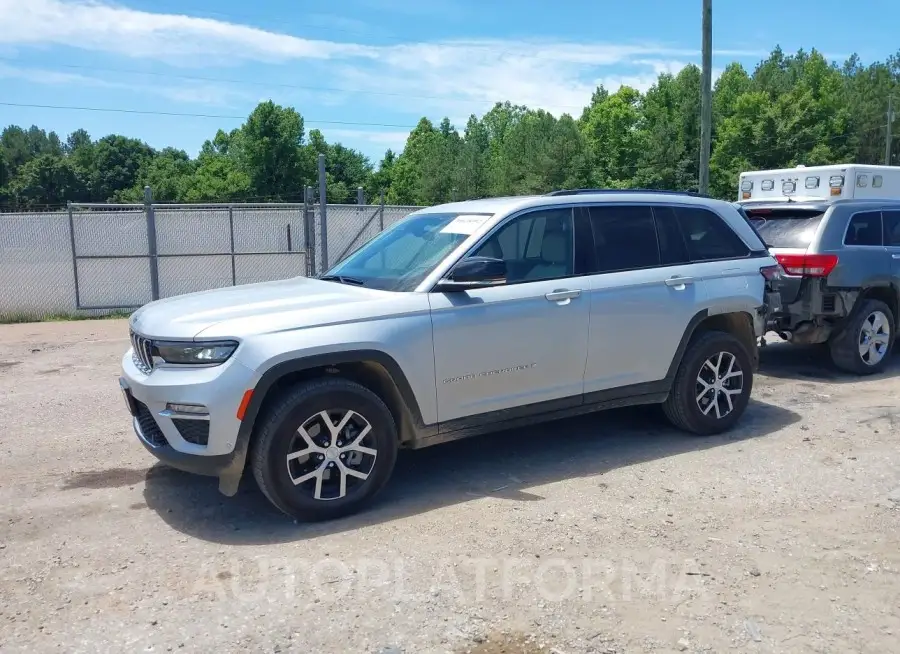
<point>204,446</point>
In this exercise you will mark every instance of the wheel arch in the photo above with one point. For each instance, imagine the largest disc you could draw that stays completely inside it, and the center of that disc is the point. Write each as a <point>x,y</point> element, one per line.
<point>374,369</point>
<point>887,293</point>
<point>737,323</point>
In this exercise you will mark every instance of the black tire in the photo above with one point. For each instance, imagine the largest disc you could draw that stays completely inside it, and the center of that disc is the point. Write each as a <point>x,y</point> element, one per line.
<point>279,431</point>
<point>682,408</point>
<point>844,345</point>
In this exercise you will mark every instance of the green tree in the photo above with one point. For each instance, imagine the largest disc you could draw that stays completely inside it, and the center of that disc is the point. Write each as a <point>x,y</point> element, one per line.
<point>611,131</point>
<point>47,180</point>
<point>270,154</point>
<point>117,161</point>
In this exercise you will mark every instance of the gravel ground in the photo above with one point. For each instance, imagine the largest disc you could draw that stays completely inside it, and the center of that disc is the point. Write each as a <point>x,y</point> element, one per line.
<point>609,533</point>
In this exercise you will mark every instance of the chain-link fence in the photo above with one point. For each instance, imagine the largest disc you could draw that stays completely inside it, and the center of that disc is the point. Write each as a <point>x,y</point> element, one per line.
<point>93,258</point>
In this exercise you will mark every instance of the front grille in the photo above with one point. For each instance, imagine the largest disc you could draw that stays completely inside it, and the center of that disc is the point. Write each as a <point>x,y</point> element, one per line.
<point>828,303</point>
<point>193,431</point>
<point>143,352</point>
<point>149,427</point>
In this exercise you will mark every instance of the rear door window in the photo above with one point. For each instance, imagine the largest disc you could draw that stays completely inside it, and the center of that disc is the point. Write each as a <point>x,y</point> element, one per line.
<point>786,228</point>
<point>864,229</point>
<point>624,237</point>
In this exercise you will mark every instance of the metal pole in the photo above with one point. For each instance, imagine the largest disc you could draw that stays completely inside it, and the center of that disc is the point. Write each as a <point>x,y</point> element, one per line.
<point>889,136</point>
<point>381,214</point>
<point>231,240</point>
<point>323,212</point>
<point>309,230</point>
<point>360,196</point>
<point>706,98</point>
<point>151,243</point>
<point>74,255</point>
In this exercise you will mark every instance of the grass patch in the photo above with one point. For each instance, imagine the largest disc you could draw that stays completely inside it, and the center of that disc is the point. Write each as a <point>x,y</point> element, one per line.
<point>24,317</point>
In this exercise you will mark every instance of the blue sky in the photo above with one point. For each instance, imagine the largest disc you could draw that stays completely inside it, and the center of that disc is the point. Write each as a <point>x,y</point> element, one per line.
<point>365,71</point>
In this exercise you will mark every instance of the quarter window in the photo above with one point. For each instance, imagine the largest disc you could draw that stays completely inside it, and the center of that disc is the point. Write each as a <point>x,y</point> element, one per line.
<point>708,237</point>
<point>536,246</point>
<point>892,228</point>
<point>624,237</point>
<point>864,229</point>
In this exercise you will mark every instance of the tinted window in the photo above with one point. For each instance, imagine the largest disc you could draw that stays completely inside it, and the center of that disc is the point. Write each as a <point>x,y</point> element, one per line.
<point>672,249</point>
<point>892,228</point>
<point>788,228</point>
<point>707,236</point>
<point>864,229</point>
<point>624,237</point>
<point>535,246</point>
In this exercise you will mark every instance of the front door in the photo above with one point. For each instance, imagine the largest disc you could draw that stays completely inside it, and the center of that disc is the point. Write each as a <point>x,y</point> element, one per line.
<point>521,345</point>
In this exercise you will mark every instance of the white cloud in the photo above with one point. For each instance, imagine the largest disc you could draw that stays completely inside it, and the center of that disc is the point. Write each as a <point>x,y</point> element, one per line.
<point>104,27</point>
<point>394,140</point>
<point>206,94</point>
<point>449,78</point>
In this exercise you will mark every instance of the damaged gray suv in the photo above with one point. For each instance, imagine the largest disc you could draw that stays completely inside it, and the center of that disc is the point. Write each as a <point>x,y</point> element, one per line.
<point>459,319</point>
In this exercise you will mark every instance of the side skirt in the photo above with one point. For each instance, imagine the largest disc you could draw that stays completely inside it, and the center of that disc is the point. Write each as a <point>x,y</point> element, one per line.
<point>635,395</point>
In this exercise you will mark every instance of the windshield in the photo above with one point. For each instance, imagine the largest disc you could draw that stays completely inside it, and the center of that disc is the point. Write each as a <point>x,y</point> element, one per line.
<point>785,228</point>
<point>400,257</point>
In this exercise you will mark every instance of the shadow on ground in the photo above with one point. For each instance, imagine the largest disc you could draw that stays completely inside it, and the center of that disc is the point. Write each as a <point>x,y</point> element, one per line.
<point>813,362</point>
<point>503,465</point>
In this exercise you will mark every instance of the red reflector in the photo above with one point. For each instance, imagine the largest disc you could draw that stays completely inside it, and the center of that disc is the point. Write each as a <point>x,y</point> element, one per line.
<point>245,402</point>
<point>810,265</point>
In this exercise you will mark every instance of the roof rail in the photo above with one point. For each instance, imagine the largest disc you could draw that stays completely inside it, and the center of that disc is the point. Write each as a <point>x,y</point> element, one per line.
<point>584,191</point>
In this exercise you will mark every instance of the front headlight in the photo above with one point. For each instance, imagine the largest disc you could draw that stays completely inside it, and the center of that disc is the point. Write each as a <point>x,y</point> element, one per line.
<point>194,353</point>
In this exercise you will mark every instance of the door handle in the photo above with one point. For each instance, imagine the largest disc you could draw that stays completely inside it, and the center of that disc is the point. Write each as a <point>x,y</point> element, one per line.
<point>895,256</point>
<point>679,281</point>
<point>562,294</point>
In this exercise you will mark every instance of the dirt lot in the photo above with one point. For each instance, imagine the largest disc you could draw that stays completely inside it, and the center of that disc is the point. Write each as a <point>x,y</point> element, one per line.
<point>601,534</point>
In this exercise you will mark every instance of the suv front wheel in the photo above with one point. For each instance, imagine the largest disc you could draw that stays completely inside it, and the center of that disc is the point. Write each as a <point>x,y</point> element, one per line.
<point>712,386</point>
<point>325,449</point>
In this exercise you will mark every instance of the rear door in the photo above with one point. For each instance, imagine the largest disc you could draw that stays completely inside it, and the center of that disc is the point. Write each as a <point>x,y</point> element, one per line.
<point>891,219</point>
<point>643,294</point>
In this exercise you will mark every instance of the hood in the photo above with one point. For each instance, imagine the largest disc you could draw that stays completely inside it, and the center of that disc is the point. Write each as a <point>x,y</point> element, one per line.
<point>249,308</point>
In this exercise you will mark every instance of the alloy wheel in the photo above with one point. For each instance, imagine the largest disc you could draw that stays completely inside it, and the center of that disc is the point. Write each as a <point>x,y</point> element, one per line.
<point>719,380</point>
<point>332,454</point>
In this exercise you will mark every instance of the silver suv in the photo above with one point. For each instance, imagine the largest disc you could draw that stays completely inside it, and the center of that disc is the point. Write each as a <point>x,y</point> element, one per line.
<point>459,319</point>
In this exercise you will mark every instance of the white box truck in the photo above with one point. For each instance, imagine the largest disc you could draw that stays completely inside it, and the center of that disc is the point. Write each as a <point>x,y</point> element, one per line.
<point>834,182</point>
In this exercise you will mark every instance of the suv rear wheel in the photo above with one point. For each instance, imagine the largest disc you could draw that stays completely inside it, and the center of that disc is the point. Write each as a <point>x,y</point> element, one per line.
<point>864,343</point>
<point>325,449</point>
<point>712,386</point>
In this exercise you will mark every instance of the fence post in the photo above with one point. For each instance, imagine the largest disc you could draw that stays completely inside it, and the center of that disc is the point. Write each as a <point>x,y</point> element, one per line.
<point>381,214</point>
<point>309,231</point>
<point>74,254</point>
<point>360,196</point>
<point>231,241</point>
<point>151,243</point>
<point>323,212</point>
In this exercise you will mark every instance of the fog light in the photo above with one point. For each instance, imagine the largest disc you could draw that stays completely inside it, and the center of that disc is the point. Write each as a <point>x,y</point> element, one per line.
<point>191,409</point>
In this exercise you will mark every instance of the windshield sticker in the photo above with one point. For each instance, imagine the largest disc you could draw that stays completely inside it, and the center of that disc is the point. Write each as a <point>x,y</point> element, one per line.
<point>464,224</point>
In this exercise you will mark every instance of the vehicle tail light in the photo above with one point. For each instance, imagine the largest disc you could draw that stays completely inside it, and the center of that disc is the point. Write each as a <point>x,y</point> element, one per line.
<point>771,273</point>
<point>809,265</point>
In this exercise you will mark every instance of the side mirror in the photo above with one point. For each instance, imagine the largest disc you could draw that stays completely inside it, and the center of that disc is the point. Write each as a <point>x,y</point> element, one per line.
<point>474,272</point>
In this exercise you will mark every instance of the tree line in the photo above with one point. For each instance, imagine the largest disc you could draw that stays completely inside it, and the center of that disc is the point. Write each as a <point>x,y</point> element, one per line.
<point>790,110</point>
